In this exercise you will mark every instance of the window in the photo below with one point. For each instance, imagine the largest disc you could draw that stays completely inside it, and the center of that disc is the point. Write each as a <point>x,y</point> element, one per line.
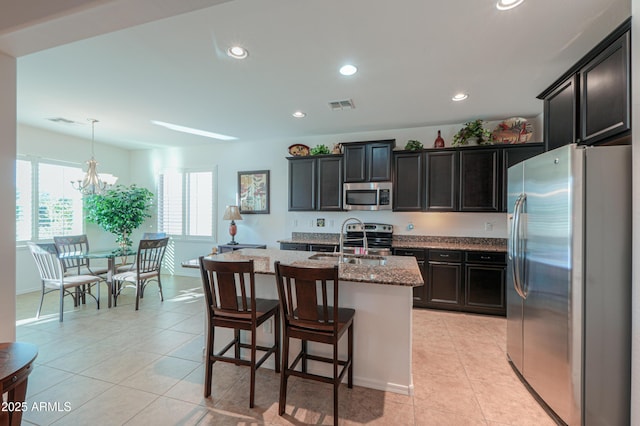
<point>186,203</point>
<point>46,203</point>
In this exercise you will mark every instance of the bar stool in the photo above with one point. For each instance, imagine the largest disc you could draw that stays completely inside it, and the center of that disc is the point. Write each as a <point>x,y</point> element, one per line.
<point>307,316</point>
<point>230,304</point>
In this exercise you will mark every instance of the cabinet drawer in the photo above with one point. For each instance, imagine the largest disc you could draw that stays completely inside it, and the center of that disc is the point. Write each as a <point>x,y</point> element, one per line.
<point>294,246</point>
<point>419,254</point>
<point>324,248</point>
<point>445,255</point>
<point>486,257</point>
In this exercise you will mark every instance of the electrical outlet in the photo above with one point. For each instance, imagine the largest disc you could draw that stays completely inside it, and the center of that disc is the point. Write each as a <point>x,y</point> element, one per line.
<point>488,226</point>
<point>268,326</point>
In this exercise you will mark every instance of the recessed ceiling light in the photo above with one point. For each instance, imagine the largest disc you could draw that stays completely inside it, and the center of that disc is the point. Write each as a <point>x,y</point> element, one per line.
<point>508,4</point>
<point>348,69</point>
<point>237,52</point>
<point>460,97</point>
<point>299,114</point>
<point>193,131</point>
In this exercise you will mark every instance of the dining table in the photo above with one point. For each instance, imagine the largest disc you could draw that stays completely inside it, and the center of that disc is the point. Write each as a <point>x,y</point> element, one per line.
<point>16,362</point>
<point>112,257</point>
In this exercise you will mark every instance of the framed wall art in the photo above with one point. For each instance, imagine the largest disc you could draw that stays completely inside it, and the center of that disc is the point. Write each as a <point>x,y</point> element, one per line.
<point>253,189</point>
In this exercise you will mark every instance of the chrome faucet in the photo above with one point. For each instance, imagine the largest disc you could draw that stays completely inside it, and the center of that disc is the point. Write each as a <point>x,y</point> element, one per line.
<point>343,239</point>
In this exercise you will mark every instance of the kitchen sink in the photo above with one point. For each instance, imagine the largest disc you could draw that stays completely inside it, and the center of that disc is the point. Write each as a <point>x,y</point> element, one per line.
<point>363,259</point>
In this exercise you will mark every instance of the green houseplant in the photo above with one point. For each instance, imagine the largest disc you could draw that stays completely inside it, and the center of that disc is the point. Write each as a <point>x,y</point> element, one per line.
<point>120,210</point>
<point>472,130</point>
<point>321,149</point>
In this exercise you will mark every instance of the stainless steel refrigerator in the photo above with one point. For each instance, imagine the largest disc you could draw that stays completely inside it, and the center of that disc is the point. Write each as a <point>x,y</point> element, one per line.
<point>569,281</point>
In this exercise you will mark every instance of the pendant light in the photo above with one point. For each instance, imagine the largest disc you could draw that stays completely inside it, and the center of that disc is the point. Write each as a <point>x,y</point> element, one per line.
<point>92,183</point>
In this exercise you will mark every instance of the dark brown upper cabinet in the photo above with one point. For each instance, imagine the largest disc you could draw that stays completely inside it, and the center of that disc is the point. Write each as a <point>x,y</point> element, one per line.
<point>441,180</point>
<point>591,103</point>
<point>302,184</point>
<point>408,182</point>
<point>480,180</point>
<point>330,183</point>
<point>315,183</point>
<point>560,114</point>
<point>605,89</point>
<point>368,161</point>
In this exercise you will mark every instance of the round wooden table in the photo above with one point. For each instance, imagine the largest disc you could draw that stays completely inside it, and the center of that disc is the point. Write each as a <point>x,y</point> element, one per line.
<point>16,361</point>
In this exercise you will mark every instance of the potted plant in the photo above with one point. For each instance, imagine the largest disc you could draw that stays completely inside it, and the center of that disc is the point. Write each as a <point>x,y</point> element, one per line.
<point>120,210</point>
<point>321,149</point>
<point>472,130</point>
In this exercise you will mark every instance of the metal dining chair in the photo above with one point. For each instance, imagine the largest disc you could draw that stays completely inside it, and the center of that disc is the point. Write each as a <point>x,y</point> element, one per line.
<point>75,244</point>
<point>124,267</point>
<point>51,270</point>
<point>145,270</point>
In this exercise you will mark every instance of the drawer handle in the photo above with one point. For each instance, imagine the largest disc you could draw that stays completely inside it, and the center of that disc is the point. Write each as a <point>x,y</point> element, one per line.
<point>444,255</point>
<point>485,257</point>
<point>14,379</point>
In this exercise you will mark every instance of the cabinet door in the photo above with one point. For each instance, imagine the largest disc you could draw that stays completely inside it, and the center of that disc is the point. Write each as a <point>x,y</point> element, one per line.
<point>479,182</point>
<point>330,183</point>
<point>379,162</point>
<point>355,162</point>
<point>513,155</point>
<point>408,182</point>
<point>444,288</point>
<point>302,184</point>
<point>560,115</point>
<point>419,293</point>
<point>485,289</point>
<point>605,100</point>
<point>441,181</point>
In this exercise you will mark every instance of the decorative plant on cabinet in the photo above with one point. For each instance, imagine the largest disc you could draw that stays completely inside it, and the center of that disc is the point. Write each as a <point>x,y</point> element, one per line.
<point>120,211</point>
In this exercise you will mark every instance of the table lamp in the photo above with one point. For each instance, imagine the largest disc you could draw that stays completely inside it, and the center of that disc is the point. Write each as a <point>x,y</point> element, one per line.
<point>232,213</point>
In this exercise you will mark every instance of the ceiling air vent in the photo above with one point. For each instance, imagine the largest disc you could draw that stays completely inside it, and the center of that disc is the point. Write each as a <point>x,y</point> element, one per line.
<point>340,105</point>
<point>62,120</point>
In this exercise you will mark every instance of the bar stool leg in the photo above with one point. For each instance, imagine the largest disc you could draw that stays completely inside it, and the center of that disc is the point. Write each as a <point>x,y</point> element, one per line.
<point>284,375</point>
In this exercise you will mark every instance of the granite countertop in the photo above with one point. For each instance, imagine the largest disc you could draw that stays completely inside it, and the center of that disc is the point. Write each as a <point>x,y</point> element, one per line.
<point>398,270</point>
<point>411,241</point>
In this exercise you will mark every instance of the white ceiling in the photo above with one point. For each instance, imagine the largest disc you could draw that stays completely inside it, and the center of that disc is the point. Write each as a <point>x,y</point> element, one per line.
<point>412,55</point>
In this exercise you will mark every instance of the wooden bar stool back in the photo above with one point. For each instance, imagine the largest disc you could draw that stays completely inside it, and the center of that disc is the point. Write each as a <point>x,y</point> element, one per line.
<point>229,289</point>
<point>308,316</point>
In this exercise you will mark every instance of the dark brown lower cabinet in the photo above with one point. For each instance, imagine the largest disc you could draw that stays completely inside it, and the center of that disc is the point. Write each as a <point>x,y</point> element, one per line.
<point>444,279</point>
<point>419,293</point>
<point>484,282</point>
<point>469,281</point>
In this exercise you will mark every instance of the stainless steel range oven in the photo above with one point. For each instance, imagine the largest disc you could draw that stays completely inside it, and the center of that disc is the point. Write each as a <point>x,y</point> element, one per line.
<point>379,237</point>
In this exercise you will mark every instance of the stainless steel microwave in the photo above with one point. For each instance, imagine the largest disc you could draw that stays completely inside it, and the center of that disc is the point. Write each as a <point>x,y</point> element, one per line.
<point>367,196</point>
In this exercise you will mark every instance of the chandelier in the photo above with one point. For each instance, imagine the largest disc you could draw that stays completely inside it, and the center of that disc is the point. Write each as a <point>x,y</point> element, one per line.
<point>92,182</point>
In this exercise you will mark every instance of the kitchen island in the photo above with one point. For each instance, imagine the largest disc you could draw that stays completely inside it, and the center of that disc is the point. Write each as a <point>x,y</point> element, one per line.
<point>381,294</point>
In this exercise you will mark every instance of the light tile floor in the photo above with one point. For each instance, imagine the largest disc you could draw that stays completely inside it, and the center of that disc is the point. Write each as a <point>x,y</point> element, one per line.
<point>118,366</point>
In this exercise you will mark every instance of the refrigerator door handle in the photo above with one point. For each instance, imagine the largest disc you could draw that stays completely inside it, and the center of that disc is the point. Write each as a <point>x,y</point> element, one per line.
<point>522,252</point>
<point>515,246</point>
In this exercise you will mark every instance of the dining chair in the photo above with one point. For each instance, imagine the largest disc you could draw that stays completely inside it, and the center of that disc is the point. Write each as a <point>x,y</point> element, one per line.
<point>307,315</point>
<point>146,269</point>
<point>51,270</point>
<point>146,236</point>
<point>229,289</point>
<point>75,244</point>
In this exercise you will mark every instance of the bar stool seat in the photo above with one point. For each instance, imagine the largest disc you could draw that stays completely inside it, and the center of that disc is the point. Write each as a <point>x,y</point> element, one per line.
<point>307,316</point>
